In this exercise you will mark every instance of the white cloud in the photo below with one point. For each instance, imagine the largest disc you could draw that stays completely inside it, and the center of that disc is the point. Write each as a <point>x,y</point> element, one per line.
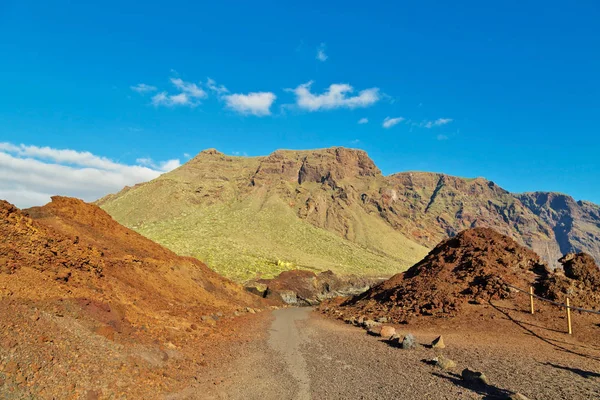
<point>190,89</point>
<point>363,121</point>
<point>31,174</point>
<point>255,103</point>
<point>334,97</point>
<point>442,137</point>
<point>355,141</point>
<point>437,122</point>
<point>389,122</point>
<point>143,88</point>
<point>165,99</point>
<point>190,95</point>
<point>321,56</point>
<point>218,89</point>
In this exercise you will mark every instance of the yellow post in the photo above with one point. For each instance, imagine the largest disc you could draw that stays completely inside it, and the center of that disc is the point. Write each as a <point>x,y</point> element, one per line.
<point>531,299</point>
<point>569,317</point>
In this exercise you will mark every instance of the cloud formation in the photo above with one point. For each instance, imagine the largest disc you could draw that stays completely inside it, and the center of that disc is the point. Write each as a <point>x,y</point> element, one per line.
<point>32,174</point>
<point>437,122</point>
<point>321,56</point>
<point>336,96</point>
<point>254,103</point>
<point>363,121</point>
<point>218,89</point>
<point>142,88</point>
<point>389,122</point>
<point>189,95</point>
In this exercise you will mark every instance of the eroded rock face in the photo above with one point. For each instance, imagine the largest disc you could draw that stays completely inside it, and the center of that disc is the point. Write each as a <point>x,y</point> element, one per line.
<point>341,191</point>
<point>305,288</point>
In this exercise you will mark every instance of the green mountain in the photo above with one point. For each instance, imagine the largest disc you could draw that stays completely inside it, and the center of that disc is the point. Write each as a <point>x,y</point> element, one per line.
<point>333,209</point>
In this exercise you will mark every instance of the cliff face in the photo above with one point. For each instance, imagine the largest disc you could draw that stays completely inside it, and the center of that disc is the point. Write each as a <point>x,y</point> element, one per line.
<point>575,224</point>
<point>333,209</point>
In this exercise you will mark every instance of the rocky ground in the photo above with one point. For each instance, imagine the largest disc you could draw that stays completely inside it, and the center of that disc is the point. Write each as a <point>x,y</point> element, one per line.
<point>303,355</point>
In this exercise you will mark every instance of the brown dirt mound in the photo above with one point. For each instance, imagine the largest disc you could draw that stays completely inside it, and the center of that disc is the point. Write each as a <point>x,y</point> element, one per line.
<point>83,299</point>
<point>474,266</point>
<point>579,280</point>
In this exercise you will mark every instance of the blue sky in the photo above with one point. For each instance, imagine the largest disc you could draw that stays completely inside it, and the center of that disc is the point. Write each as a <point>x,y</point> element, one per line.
<point>509,91</point>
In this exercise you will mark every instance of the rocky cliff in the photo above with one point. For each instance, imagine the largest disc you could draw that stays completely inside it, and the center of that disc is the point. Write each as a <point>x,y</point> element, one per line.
<point>333,209</point>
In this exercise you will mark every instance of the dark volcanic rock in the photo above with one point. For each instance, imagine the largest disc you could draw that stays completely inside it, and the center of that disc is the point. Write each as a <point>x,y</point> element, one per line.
<point>305,288</point>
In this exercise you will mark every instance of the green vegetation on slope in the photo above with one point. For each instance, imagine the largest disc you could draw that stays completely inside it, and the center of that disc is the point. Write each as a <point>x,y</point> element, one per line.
<point>251,238</point>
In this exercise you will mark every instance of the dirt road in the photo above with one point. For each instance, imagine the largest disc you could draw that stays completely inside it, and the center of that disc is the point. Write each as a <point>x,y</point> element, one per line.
<point>306,356</point>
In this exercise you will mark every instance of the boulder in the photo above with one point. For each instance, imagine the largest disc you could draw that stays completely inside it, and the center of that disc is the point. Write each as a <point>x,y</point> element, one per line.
<point>474,377</point>
<point>368,324</point>
<point>409,342</point>
<point>444,363</point>
<point>438,343</point>
<point>387,331</point>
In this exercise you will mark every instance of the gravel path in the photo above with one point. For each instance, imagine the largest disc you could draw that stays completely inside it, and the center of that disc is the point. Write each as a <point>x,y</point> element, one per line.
<point>307,356</point>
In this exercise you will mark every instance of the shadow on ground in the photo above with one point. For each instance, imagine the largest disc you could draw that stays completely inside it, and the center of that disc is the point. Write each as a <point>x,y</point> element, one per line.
<point>489,392</point>
<point>581,372</point>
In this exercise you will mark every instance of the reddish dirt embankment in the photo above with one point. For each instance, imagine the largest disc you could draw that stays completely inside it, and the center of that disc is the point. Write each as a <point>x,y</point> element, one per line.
<point>475,266</point>
<point>89,306</point>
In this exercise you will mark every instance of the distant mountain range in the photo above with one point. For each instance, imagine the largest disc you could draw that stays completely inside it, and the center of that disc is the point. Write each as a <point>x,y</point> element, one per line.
<point>333,209</point>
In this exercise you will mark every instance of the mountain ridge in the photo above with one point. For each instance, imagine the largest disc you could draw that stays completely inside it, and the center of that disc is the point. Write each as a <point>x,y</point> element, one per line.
<point>340,192</point>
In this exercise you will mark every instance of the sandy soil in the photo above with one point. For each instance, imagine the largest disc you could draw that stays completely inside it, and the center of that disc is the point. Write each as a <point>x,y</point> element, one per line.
<point>304,355</point>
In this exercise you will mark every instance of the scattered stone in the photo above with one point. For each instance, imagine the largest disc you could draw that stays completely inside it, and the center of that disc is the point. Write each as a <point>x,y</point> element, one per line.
<point>250,310</point>
<point>409,342</point>
<point>387,331</point>
<point>395,338</point>
<point>360,320</point>
<point>368,324</point>
<point>350,320</point>
<point>438,343</point>
<point>444,363</point>
<point>474,377</point>
<point>383,320</point>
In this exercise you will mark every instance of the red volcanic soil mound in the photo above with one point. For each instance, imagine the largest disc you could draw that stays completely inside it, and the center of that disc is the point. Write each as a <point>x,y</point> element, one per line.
<point>84,299</point>
<point>579,279</point>
<point>474,266</point>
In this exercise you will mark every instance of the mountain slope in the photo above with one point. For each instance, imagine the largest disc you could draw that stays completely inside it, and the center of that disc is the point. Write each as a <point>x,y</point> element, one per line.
<point>328,209</point>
